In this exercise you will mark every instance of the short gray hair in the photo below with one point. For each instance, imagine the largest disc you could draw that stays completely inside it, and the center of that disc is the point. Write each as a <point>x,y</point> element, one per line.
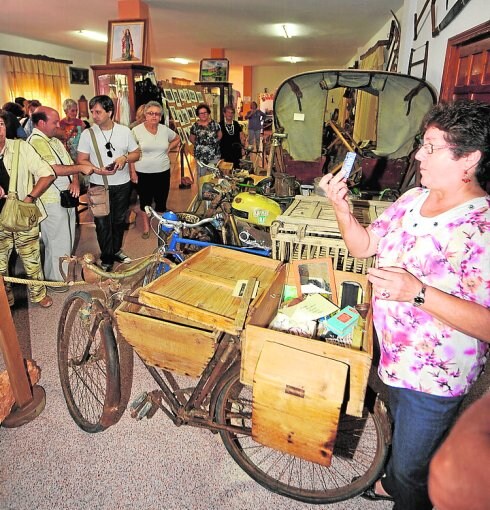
<point>153,103</point>
<point>69,103</point>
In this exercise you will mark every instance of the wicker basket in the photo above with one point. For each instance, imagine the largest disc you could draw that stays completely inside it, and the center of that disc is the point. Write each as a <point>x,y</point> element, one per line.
<point>308,229</point>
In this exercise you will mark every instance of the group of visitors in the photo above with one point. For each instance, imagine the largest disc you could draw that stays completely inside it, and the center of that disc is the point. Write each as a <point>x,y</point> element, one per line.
<point>215,141</point>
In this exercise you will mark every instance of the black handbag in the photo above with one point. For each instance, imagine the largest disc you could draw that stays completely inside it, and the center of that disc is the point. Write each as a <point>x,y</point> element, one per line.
<point>67,200</point>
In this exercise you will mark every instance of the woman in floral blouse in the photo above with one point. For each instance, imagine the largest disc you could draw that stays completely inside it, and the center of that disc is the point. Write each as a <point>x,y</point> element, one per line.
<point>205,135</point>
<point>431,290</point>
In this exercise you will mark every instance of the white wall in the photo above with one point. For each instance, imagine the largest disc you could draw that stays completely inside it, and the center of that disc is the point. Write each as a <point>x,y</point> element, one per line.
<point>475,13</point>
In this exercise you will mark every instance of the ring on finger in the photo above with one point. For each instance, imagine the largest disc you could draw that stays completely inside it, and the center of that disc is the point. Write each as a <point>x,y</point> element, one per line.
<point>385,294</point>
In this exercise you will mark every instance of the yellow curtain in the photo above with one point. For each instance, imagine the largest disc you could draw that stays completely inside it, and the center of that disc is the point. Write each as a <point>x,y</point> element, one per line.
<point>367,104</point>
<point>43,80</point>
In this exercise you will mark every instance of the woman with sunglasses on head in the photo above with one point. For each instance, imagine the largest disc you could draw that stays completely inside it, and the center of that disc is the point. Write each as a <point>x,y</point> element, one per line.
<point>151,173</point>
<point>205,135</point>
<point>431,290</point>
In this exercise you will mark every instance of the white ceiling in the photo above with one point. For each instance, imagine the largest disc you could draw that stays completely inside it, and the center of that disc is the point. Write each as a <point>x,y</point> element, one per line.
<point>331,31</point>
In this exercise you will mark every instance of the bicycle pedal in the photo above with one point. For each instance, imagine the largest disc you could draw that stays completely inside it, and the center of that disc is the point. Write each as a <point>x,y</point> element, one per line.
<point>138,400</point>
<point>144,410</point>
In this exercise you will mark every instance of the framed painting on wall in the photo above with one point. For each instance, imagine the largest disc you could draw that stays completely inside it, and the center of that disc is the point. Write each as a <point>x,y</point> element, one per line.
<point>78,76</point>
<point>127,42</point>
<point>214,69</point>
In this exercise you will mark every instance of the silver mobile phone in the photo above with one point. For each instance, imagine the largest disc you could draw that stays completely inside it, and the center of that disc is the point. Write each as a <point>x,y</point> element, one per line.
<point>348,164</point>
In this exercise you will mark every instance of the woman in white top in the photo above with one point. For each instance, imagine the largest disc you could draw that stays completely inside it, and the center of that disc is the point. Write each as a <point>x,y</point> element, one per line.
<point>151,173</point>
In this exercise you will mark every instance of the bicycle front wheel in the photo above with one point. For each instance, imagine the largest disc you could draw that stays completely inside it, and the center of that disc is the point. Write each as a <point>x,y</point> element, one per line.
<point>88,364</point>
<point>360,452</point>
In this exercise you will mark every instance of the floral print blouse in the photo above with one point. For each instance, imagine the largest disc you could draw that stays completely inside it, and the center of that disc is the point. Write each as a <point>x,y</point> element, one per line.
<point>450,252</point>
<point>206,147</point>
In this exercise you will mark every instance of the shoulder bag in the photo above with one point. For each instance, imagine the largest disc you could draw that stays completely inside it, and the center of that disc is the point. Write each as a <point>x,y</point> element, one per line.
<point>98,196</point>
<point>16,215</point>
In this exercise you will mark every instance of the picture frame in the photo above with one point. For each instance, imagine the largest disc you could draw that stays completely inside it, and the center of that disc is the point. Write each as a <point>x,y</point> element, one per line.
<point>187,133</point>
<point>173,113</point>
<point>192,114</point>
<point>168,95</point>
<point>199,96</point>
<point>185,116</point>
<point>192,95</point>
<point>182,95</point>
<point>315,273</point>
<point>79,76</point>
<point>214,70</point>
<point>127,42</point>
<point>181,133</point>
<point>175,93</point>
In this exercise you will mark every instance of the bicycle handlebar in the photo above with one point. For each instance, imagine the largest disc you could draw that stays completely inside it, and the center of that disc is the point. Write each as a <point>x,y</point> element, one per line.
<point>176,224</point>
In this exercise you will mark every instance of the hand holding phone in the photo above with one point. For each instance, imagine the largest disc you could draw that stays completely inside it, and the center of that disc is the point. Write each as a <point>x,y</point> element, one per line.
<point>111,166</point>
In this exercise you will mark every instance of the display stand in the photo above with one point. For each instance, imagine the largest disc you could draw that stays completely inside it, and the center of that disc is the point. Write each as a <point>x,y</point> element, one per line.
<point>217,95</point>
<point>29,403</point>
<point>132,82</point>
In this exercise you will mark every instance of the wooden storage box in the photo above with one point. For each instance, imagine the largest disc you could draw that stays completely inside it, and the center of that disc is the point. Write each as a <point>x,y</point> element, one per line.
<point>256,333</point>
<point>308,229</point>
<point>201,288</point>
<point>297,397</point>
<point>166,341</point>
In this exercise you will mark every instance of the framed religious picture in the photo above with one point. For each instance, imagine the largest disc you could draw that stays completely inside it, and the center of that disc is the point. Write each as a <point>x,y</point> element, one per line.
<point>127,42</point>
<point>187,133</point>
<point>78,76</point>
<point>185,116</point>
<point>199,96</point>
<point>168,94</point>
<point>192,95</point>
<point>214,69</point>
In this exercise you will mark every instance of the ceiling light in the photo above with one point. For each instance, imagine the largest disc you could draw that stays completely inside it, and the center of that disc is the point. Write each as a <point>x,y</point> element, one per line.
<point>179,60</point>
<point>95,36</point>
<point>285,29</point>
<point>293,60</point>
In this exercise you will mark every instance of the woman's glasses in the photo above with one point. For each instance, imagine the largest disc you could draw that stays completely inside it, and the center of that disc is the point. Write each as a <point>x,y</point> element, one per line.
<point>109,148</point>
<point>154,114</point>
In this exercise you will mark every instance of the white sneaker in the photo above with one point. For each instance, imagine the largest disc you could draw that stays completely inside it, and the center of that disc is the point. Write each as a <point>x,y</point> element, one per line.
<point>120,256</point>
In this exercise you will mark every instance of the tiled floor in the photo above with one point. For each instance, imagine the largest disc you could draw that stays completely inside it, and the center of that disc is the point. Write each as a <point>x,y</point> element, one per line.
<point>151,464</point>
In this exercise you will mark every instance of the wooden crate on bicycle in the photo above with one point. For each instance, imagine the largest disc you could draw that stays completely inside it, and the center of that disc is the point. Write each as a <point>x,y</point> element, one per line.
<point>308,229</point>
<point>300,384</point>
<point>181,314</point>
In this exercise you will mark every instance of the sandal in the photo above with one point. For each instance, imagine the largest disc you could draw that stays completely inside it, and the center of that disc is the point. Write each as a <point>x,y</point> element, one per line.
<point>46,302</point>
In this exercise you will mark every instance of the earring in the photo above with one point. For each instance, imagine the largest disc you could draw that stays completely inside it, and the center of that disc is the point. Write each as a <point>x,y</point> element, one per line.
<point>466,179</point>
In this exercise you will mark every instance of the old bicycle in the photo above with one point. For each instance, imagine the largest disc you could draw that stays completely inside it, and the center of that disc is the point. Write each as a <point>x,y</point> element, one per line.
<point>182,335</point>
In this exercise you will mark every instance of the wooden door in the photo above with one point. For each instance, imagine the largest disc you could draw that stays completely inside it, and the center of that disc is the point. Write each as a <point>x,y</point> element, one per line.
<point>467,65</point>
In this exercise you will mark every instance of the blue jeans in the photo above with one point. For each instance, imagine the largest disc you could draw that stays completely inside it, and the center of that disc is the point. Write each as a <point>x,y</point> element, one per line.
<point>420,424</point>
<point>110,229</point>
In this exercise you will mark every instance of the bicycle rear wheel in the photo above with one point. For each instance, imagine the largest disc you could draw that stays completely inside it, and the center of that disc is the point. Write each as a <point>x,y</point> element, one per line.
<point>360,451</point>
<point>88,364</point>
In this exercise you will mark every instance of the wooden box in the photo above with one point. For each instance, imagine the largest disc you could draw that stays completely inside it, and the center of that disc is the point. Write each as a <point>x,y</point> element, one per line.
<point>201,288</point>
<point>166,341</point>
<point>297,397</point>
<point>308,229</point>
<point>256,333</point>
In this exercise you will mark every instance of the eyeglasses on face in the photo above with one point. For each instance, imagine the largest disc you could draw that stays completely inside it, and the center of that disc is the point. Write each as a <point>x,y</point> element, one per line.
<point>204,112</point>
<point>429,148</point>
<point>109,147</point>
<point>155,114</point>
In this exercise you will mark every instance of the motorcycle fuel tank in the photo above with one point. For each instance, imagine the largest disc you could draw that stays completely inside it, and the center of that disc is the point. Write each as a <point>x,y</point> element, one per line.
<point>256,209</point>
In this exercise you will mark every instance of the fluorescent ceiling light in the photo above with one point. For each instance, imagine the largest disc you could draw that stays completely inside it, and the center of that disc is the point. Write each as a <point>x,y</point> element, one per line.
<point>179,60</point>
<point>293,60</point>
<point>95,36</point>
<point>286,34</point>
